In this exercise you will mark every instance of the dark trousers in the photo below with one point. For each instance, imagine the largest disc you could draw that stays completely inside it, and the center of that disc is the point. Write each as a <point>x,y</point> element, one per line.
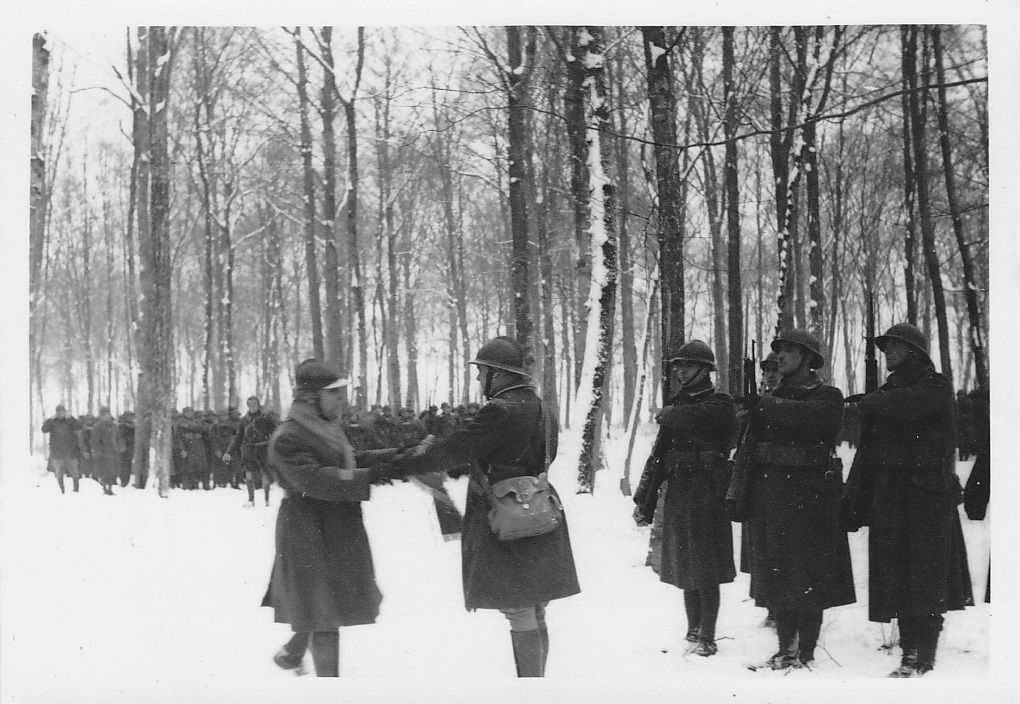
<point>325,647</point>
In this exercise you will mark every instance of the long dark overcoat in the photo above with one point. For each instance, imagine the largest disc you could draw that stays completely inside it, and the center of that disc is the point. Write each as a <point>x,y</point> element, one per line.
<point>514,573</point>
<point>784,486</point>
<point>194,440</point>
<point>323,575</point>
<point>691,451</point>
<point>903,485</point>
<point>107,444</point>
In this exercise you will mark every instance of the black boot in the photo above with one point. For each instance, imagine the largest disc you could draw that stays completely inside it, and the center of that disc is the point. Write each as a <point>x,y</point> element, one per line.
<point>786,629</point>
<point>527,652</point>
<point>908,644</point>
<point>927,643</point>
<point>325,647</point>
<point>692,605</point>
<point>809,625</point>
<point>291,655</point>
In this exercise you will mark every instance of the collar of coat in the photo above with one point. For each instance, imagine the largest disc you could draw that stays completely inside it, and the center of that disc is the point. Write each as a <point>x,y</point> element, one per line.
<point>331,435</point>
<point>509,388</point>
<point>810,382</point>
<point>911,371</point>
<point>695,392</point>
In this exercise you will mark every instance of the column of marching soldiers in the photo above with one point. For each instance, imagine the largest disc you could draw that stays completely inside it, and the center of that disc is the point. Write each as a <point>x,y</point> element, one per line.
<point>209,447</point>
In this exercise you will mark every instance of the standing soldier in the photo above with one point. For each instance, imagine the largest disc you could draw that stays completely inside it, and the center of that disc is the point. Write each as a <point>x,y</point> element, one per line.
<point>194,450</point>
<point>85,442</point>
<point>693,448</point>
<point>323,575</point>
<point>107,448</point>
<point>65,445</point>
<point>127,432</point>
<point>904,486</point>
<point>506,439</point>
<point>770,378</point>
<point>788,485</point>
<point>446,422</point>
<point>250,445</point>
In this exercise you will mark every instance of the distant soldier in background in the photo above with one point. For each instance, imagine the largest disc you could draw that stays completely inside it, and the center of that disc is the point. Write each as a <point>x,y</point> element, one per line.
<point>221,434</point>
<point>107,449</point>
<point>65,446</point>
<point>250,445</point>
<point>84,440</point>
<point>194,450</point>
<point>903,484</point>
<point>126,422</point>
<point>446,422</point>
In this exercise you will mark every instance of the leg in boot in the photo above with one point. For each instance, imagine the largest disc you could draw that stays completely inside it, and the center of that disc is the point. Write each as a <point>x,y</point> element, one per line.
<point>927,642</point>
<point>290,656</point>
<point>543,632</point>
<point>786,630</point>
<point>709,615</point>
<point>527,652</point>
<point>908,644</point>
<point>809,625</point>
<point>325,647</point>
<point>692,605</point>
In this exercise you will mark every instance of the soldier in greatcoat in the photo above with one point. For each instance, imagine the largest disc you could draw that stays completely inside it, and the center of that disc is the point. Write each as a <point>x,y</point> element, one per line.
<point>323,576</point>
<point>107,446</point>
<point>507,438</point>
<point>903,485</point>
<point>251,446</point>
<point>692,449</point>
<point>788,486</point>
<point>194,450</point>
<point>65,445</point>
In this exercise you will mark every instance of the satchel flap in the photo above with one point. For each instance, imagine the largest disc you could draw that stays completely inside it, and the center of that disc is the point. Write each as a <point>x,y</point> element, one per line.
<point>523,488</point>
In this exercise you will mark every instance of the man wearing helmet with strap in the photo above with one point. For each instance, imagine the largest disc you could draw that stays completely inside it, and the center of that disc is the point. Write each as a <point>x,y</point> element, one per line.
<point>323,575</point>
<point>903,485</point>
<point>692,449</point>
<point>507,438</point>
<point>786,486</point>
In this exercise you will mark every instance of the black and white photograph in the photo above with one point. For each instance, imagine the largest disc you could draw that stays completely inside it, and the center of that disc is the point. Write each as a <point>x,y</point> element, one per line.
<point>458,353</point>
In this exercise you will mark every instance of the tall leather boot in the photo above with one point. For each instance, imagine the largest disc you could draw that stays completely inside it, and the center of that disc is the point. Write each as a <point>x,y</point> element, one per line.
<point>325,647</point>
<point>528,652</point>
<point>543,633</point>
<point>809,625</point>
<point>908,644</point>
<point>927,643</point>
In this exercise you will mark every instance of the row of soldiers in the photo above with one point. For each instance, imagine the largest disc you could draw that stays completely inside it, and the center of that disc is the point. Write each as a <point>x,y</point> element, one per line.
<point>208,447</point>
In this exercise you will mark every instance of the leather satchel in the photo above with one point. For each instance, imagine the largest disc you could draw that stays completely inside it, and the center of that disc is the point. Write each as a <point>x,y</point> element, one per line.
<point>523,507</point>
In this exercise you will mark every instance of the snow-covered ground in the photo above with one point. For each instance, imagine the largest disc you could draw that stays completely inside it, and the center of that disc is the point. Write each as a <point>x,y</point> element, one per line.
<point>136,599</point>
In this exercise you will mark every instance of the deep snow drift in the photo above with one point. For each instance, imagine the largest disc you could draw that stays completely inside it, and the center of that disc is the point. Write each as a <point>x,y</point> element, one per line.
<point>136,599</point>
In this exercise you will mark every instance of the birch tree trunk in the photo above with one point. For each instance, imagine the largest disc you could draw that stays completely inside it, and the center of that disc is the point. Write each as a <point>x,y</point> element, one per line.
<point>909,183</point>
<point>331,267</point>
<point>602,295</point>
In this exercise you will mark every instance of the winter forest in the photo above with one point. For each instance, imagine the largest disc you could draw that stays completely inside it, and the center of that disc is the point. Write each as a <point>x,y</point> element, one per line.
<point>389,198</point>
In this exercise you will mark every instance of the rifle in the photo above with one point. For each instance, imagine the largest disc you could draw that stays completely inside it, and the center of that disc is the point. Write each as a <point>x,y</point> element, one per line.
<point>870,361</point>
<point>750,379</point>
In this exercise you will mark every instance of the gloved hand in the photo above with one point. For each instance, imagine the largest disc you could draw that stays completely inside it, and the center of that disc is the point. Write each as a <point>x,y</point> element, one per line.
<point>382,473</point>
<point>639,517</point>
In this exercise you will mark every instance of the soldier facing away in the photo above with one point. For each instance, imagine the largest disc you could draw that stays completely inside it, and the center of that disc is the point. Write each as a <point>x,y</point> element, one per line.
<point>65,446</point>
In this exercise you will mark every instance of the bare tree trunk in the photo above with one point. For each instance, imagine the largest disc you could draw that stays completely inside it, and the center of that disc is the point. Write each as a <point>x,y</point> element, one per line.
<point>38,197</point>
<point>331,269</point>
<point>311,267</point>
<point>733,278</point>
<point>909,183</point>
<point>517,101</point>
<point>977,343</point>
<point>156,268</point>
<point>670,197</point>
<point>141,138</point>
<point>924,205</point>
<point>410,324</point>
<point>602,297</point>
<point>383,105</point>
<point>354,249</point>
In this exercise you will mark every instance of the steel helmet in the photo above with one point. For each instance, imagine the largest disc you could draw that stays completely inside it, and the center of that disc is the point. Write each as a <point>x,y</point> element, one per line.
<point>695,351</point>
<point>907,333</point>
<point>502,353</point>
<point>805,339</point>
